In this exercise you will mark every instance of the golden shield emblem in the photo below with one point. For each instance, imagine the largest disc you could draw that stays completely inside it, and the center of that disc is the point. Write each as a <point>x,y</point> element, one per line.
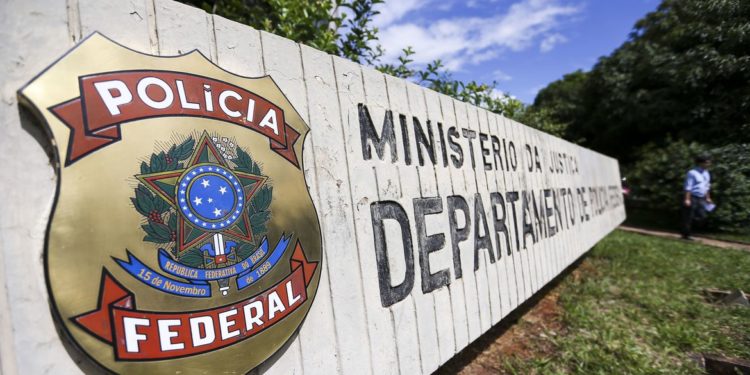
<point>183,236</point>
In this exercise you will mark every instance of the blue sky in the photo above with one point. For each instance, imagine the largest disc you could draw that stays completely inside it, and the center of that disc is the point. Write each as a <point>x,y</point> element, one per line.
<point>521,44</point>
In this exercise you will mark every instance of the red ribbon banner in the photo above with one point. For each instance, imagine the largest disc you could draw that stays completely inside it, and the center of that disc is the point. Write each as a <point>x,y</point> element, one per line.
<point>139,335</point>
<point>109,100</point>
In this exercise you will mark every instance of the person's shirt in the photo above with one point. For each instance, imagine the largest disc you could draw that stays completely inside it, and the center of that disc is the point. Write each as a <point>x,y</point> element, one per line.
<point>697,182</point>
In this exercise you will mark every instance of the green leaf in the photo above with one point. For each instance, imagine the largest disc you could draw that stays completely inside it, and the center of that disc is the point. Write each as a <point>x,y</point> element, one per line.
<point>185,149</point>
<point>154,163</point>
<point>160,205</point>
<point>162,161</point>
<point>149,238</point>
<point>157,232</point>
<point>192,257</point>
<point>245,250</point>
<point>260,218</point>
<point>139,207</point>
<point>144,200</point>
<point>262,198</point>
<point>172,222</point>
<point>245,162</point>
<point>162,230</point>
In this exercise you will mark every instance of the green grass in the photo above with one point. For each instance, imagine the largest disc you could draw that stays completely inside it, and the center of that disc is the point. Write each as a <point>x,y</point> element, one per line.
<point>639,310</point>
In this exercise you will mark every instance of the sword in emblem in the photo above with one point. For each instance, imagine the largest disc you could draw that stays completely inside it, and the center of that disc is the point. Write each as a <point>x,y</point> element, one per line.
<point>218,251</point>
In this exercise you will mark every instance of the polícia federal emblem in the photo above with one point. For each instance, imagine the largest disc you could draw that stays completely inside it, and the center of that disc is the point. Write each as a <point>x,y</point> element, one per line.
<point>209,202</point>
<point>183,236</point>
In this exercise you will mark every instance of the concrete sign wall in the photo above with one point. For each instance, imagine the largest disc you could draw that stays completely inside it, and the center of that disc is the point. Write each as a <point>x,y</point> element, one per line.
<point>438,218</point>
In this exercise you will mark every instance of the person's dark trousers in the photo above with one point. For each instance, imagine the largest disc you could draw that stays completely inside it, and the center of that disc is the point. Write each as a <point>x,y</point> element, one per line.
<point>695,212</point>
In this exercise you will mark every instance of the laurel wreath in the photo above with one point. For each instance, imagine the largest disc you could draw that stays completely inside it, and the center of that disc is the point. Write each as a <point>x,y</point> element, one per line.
<point>161,219</point>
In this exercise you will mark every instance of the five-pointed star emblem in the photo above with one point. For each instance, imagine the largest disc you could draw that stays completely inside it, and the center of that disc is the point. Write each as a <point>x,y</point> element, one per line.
<point>164,185</point>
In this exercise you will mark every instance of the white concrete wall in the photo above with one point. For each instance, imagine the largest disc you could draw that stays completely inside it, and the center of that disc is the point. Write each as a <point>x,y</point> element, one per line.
<point>347,330</point>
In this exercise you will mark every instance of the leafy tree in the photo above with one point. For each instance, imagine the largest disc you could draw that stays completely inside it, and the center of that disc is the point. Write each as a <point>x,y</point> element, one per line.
<point>543,119</point>
<point>681,84</point>
<point>344,28</point>
<point>340,27</point>
<point>559,104</point>
<point>684,73</point>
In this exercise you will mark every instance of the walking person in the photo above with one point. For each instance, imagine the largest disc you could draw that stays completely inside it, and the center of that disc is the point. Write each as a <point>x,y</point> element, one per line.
<point>697,194</point>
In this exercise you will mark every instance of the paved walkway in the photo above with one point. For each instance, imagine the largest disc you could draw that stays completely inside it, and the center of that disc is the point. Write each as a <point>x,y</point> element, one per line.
<point>702,240</point>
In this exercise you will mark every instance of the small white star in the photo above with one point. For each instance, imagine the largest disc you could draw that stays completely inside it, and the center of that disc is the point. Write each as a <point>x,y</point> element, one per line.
<point>205,183</point>
<point>217,212</point>
<point>223,190</point>
<point>198,201</point>
<point>210,200</point>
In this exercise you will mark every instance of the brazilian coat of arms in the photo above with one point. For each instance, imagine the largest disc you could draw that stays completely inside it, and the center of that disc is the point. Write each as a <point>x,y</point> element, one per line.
<point>183,235</point>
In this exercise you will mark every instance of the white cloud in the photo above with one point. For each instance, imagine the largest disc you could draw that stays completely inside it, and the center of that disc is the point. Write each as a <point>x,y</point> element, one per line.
<point>503,96</point>
<point>460,41</point>
<point>483,56</point>
<point>394,11</point>
<point>549,42</point>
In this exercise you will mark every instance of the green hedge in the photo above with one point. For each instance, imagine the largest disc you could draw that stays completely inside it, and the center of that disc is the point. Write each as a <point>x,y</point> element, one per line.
<point>657,179</point>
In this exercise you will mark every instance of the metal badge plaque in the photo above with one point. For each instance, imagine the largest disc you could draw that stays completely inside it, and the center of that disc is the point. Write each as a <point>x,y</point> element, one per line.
<point>183,237</point>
